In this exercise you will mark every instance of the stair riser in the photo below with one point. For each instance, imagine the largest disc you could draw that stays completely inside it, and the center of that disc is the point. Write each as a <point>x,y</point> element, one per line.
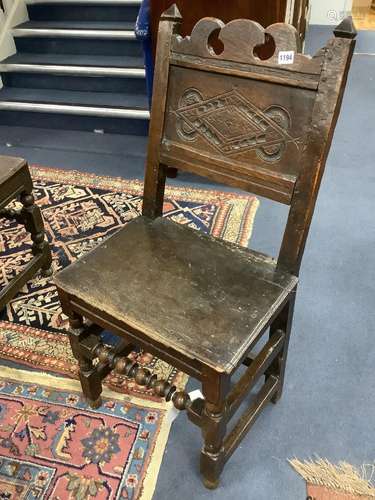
<point>79,46</point>
<point>78,83</point>
<point>83,13</point>
<point>74,122</point>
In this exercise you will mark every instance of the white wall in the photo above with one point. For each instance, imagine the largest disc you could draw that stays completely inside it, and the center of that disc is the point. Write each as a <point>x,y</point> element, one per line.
<point>15,13</point>
<point>330,12</point>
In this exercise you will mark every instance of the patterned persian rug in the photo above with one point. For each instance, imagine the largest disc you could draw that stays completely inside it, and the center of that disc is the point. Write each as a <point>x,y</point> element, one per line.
<point>80,211</point>
<point>325,481</point>
<point>53,446</point>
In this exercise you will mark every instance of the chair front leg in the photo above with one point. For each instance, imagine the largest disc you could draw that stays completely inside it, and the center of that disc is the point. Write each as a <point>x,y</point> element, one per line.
<point>90,379</point>
<point>214,427</point>
<point>284,323</point>
<point>33,221</point>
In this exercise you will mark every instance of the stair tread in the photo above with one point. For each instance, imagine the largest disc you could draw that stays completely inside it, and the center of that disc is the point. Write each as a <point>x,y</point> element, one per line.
<point>65,97</point>
<point>76,60</point>
<point>78,25</point>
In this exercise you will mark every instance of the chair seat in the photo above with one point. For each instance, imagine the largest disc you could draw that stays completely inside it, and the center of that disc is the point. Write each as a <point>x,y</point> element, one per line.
<point>198,295</point>
<point>9,166</point>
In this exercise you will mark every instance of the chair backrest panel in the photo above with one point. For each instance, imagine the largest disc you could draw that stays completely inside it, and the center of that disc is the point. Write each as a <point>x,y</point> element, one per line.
<point>257,124</point>
<point>240,127</point>
<point>235,115</point>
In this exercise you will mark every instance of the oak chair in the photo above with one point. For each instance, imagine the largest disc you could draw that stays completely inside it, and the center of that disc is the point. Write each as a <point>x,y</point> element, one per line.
<point>16,184</point>
<point>196,302</point>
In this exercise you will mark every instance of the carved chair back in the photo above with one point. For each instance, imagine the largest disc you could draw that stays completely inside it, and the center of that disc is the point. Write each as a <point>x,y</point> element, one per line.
<point>262,125</point>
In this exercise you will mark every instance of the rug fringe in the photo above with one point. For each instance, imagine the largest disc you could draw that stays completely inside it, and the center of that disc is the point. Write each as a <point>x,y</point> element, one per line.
<point>342,477</point>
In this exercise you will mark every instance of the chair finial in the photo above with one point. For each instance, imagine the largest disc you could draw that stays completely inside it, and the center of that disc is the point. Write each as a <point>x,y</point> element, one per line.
<point>346,29</point>
<point>171,14</point>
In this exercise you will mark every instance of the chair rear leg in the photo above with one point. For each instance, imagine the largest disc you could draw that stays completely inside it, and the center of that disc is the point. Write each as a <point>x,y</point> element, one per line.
<point>284,323</point>
<point>90,379</point>
<point>32,218</point>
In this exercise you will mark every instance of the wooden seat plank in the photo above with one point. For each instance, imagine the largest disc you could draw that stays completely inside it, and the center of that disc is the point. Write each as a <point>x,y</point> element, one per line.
<point>197,294</point>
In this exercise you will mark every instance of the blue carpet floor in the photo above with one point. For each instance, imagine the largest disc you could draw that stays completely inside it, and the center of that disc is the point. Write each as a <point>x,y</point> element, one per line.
<point>328,405</point>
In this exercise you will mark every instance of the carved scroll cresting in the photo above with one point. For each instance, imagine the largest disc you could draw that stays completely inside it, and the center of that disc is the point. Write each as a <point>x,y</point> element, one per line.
<point>240,38</point>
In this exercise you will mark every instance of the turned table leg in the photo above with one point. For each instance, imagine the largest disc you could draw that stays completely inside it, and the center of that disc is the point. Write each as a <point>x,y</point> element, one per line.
<point>33,221</point>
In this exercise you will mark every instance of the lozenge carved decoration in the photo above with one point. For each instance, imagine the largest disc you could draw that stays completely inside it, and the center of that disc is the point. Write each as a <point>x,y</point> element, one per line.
<point>234,125</point>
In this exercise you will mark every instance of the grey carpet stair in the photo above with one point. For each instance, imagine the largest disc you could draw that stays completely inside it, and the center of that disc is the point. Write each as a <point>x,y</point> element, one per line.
<point>76,25</point>
<point>68,121</point>
<point>106,10</point>
<point>78,66</point>
<point>75,81</point>
<point>82,60</point>
<point>78,45</point>
<point>67,98</point>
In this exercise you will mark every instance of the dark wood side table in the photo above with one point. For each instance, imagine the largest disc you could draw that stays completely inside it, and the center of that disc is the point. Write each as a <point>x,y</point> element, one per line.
<point>16,183</point>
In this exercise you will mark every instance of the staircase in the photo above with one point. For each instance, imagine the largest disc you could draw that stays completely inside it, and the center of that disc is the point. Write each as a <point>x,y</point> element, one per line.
<point>78,66</point>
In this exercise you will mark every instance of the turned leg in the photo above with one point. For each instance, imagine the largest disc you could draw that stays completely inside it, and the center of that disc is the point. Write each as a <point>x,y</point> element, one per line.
<point>282,322</point>
<point>33,221</point>
<point>215,390</point>
<point>90,380</point>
